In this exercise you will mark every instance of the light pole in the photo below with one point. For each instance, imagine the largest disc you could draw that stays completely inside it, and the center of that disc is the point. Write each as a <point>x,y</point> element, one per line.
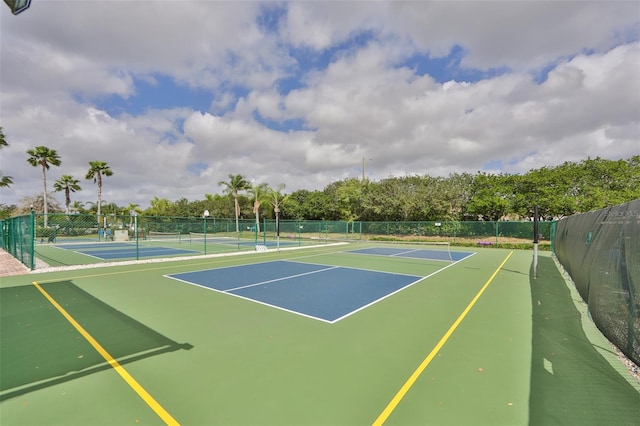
<point>363,174</point>
<point>205,215</point>
<point>134,215</point>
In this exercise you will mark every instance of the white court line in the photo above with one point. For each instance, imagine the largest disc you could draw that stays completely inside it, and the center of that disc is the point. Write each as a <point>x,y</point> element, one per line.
<point>281,279</point>
<point>404,252</point>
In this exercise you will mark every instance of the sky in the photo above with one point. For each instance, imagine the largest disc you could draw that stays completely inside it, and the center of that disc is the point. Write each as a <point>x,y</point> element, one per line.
<point>176,95</point>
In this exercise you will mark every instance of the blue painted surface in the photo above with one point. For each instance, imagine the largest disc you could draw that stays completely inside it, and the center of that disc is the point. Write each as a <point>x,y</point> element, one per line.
<point>324,292</point>
<point>88,246</point>
<point>224,279</point>
<point>131,253</point>
<point>110,251</point>
<point>413,253</point>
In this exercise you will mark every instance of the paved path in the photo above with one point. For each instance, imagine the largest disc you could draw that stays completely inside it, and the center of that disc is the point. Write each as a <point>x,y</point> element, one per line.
<point>9,265</point>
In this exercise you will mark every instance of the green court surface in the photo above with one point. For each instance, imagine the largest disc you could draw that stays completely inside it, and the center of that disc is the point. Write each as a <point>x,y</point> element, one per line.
<point>474,342</point>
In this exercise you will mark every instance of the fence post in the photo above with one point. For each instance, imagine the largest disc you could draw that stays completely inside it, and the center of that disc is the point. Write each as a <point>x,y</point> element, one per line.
<point>135,231</point>
<point>32,235</point>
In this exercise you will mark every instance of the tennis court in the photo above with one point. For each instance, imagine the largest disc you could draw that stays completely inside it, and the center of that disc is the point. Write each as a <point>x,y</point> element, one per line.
<point>324,292</point>
<point>80,251</point>
<point>340,334</point>
<point>113,251</point>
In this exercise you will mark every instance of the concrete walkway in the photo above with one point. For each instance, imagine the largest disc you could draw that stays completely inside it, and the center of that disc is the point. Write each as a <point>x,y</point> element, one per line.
<point>9,265</point>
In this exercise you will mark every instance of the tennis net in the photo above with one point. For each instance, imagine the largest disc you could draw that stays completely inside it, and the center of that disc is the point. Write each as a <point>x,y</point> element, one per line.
<point>164,236</point>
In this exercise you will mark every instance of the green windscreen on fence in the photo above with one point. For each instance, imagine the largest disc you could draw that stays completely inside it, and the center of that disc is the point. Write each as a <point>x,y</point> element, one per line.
<point>601,252</point>
<point>17,238</point>
<point>59,239</point>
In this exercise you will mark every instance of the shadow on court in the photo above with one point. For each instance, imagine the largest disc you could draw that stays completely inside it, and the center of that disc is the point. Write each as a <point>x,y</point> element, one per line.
<point>41,348</point>
<point>571,383</point>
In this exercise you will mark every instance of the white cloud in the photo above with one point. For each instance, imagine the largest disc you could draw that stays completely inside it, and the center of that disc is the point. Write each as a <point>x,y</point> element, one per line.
<point>62,60</point>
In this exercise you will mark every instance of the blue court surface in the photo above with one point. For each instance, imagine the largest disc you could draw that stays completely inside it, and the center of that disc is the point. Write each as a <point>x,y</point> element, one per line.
<point>415,253</point>
<point>326,293</point>
<point>110,251</point>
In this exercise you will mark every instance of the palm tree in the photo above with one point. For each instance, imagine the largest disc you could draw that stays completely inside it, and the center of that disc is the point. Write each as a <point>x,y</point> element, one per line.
<point>78,207</point>
<point>236,183</point>
<point>3,141</point>
<point>98,169</point>
<point>43,156</point>
<point>67,184</point>
<point>93,207</point>
<point>5,181</point>
<point>259,193</point>
<point>159,206</point>
<point>276,198</point>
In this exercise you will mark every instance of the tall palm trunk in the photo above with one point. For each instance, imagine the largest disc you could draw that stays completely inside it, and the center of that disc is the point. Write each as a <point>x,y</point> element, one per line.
<point>44,194</point>
<point>99,179</point>
<point>237,207</point>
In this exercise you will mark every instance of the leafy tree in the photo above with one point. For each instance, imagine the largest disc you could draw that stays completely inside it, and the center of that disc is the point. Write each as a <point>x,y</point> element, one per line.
<point>235,184</point>
<point>456,190</point>
<point>92,208</point>
<point>5,181</point>
<point>159,207</point>
<point>293,205</point>
<point>132,207</point>
<point>217,205</point>
<point>7,211</point>
<point>97,169</point>
<point>44,157</point>
<point>490,199</point>
<point>67,184</point>
<point>183,208</point>
<point>310,205</point>
<point>348,195</point>
<point>37,203</point>
<point>78,207</point>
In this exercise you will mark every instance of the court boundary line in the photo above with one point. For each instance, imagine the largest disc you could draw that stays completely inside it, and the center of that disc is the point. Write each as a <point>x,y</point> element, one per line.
<point>419,279</point>
<point>354,267</point>
<point>203,259</point>
<point>391,406</point>
<point>400,255</point>
<point>396,291</point>
<point>249,299</point>
<point>282,278</point>
<point>128,378</point>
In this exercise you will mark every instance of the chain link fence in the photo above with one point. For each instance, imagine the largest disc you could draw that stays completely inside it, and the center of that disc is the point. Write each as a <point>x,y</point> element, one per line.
<point>76,239</point>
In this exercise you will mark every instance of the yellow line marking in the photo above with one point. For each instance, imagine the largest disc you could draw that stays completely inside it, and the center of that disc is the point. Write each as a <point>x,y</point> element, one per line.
<point>152,403</point>
<point>412,379</point>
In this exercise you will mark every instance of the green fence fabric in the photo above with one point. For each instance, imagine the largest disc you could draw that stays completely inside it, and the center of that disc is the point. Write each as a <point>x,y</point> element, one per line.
<point>27,237</point>
<point>16,238</point>
<point>601,252</point>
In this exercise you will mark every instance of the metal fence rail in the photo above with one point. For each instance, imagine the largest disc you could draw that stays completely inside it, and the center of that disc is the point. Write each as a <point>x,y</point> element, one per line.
<point>64,238</point>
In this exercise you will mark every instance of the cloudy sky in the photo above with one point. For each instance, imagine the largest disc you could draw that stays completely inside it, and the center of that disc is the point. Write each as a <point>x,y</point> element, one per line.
<point>176,95</point>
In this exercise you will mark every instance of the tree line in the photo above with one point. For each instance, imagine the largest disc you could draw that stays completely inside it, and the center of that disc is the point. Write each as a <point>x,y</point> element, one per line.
<point>559,191</point>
